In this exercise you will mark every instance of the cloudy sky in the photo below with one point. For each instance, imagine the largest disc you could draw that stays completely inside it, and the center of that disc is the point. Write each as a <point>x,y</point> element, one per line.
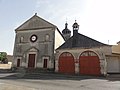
<point>98,19</point>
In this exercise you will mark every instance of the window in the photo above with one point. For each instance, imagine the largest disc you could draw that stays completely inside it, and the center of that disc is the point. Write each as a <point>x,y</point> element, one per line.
<point>88,53</point>
<point>18,62</point>
<point>47,37</point>
<point>21,39</point>
<point>66,54</point>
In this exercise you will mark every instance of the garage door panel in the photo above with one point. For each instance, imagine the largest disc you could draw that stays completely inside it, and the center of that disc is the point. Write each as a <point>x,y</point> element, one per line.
<point>113,66</point>
<point>66,64</point>
<point>89,65</point>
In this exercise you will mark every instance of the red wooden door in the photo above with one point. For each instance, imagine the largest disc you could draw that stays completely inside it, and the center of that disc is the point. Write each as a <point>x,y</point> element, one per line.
<point>89,64</point>
<point>18,62</point>
<point>66,63</point>
<point>31,61</point>
<point>45,63</point>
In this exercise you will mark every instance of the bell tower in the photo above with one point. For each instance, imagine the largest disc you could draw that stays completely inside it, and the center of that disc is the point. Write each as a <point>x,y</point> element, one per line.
<point>75,28</point>
<point>66,32</point>
<point>75,34</point>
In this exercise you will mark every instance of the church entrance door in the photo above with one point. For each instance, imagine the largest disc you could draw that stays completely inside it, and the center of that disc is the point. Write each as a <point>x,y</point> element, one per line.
<point>31,61</point>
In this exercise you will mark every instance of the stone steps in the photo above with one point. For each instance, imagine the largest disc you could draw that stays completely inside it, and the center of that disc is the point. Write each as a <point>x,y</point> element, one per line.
<point>52,75</point>
<point>113,77</point>
<point>38,70</point>
<point>37,75</point>
<point>5,70</point>
<point>32,73</point>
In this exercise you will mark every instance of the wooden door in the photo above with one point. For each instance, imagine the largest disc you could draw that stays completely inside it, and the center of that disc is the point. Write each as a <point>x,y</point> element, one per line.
<point>89,64</point>
<point>66,63</point>
<point>31,61</point>
<point>45,63</point>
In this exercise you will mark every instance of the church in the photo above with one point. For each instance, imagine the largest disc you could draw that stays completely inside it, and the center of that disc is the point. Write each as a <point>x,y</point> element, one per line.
<point>39,44</point>
<point>35,44</point>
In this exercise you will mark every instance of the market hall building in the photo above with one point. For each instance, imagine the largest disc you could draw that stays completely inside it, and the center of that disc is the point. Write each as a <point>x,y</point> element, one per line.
<point>35,44</point>
<point>82,55</point>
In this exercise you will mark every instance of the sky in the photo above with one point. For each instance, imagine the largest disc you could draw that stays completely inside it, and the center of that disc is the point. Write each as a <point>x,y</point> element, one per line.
<point>98,19</point>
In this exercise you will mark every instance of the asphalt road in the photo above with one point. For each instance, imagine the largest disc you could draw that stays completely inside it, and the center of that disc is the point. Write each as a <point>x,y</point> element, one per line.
<point>61,83</point>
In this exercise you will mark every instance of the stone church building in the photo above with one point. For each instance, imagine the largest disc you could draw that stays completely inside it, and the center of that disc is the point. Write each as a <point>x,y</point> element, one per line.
<point>35,44</point>
<point>40,44</point>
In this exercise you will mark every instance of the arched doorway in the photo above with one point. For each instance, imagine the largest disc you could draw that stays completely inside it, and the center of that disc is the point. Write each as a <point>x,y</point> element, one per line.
<point>89,63</point>
<point>66,63</point>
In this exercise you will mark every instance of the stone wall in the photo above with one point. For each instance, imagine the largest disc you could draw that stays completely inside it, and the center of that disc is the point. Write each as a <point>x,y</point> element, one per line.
<point>101,52</point>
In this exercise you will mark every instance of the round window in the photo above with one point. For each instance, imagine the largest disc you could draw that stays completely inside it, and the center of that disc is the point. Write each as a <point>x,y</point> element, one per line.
<point>33,38</point>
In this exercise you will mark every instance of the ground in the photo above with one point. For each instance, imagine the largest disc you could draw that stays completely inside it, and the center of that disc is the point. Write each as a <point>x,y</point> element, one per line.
<point>58,82</point>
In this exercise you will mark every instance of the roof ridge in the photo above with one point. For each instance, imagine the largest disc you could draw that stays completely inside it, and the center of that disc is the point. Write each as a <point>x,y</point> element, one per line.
<point>31,19</point>
<point>92,39</point>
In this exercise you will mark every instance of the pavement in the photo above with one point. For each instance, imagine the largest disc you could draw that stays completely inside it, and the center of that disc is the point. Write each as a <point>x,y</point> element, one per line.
<point>54,81</point>
<point>4,86</point>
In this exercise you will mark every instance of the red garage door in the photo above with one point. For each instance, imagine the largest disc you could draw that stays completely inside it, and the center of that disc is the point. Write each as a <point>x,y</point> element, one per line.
<point>89,63</point>
<point>66,63</point>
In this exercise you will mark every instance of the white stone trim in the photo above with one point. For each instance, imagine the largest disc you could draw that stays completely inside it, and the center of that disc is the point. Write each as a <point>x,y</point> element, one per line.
<point>36,30</point>
<point>31,52</point>
<point>48,61</point>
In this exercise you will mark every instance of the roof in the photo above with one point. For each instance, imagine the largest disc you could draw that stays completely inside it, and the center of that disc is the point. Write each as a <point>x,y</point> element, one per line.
<point>81,41</point>
<point>35,22</point>
<point>66,30</point>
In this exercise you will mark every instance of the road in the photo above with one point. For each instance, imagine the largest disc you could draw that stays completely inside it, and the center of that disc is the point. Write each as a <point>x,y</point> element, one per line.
<point>62,83</point>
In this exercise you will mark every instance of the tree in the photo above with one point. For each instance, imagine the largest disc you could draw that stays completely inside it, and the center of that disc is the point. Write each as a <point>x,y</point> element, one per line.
<point>3,57</point>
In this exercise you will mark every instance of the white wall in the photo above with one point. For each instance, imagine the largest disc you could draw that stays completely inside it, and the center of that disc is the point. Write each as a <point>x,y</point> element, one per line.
<point>58,39</point>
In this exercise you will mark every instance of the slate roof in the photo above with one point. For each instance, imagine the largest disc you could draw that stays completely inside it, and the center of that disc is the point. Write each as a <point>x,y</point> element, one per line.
<point>66,30</point>
<point>35,22</point>
<point>81,41</point>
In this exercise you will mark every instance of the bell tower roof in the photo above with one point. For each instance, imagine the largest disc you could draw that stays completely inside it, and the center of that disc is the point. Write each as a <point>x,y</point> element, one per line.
<point>66,30</point>
<point>75,26</point>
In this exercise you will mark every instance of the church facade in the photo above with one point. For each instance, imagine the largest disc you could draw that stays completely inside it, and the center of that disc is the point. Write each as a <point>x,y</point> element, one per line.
<point>35,44</point>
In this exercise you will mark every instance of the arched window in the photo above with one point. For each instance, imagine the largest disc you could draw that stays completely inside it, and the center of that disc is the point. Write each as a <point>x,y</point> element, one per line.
<point>21,39</point>
<point>66,54</point>
<point>88,53</point>
<point>47,37</point>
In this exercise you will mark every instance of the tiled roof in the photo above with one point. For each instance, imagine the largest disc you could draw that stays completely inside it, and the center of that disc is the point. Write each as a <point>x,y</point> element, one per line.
<point>81,41</point>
